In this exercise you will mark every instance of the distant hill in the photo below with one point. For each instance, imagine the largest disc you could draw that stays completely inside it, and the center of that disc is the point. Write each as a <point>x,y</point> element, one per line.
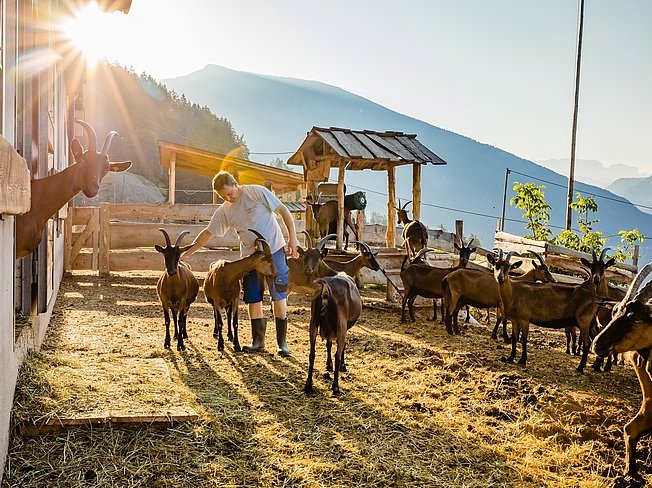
<point>273,114</point>
<point>593,172</point>
<point>638,190</point>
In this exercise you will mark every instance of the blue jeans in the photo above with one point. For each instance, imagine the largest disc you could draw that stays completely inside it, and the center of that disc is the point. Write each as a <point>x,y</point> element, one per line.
<point>254,286</point>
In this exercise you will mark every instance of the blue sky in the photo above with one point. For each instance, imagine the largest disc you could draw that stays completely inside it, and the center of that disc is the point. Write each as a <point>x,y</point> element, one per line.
<point>501,72</point>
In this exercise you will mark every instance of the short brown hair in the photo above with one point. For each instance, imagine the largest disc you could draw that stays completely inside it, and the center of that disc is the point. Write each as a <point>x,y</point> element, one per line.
<point>223,179</point>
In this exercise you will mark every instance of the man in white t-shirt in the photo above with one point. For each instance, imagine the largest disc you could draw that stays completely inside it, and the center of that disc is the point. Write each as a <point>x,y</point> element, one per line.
<point>253,207</point>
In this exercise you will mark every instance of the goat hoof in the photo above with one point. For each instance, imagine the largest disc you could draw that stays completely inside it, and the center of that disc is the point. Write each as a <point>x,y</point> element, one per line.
<point>308,389</point>
<point>326,375</point>
<point>237,348</point>
<point>343,368</point>
<point>185,335</point>
<point>336,392</point>
<point>607,369</point>
<point>229,336</point>
<point>220,344</point>
<point>166,346</point>
<point>494,336</point>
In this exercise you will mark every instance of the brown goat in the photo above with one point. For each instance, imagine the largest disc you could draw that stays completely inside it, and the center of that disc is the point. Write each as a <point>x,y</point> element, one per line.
<point>550,305</point>
<point>335,307</point>
<point>365,259</point>
<point>630,329</point>
<point>478,288</point>
<point>51,193</point>
<point>303,271</point>
<point>177,288</point>
<point>415,234</point>
<point>426,281</point>
<point>222,288</point>
<point>326,215</point>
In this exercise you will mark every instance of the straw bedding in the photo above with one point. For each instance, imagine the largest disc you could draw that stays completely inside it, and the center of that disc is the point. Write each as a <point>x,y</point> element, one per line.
<point>419,408</point>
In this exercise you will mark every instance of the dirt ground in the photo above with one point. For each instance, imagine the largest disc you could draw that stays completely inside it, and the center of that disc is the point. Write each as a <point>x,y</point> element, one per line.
<point>419,407</point>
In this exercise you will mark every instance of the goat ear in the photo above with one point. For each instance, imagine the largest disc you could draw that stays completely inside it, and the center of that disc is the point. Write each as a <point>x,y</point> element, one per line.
<point>118,167</point>
<point>158,248</point>
<point>185,248</point>
<point>610,263</point>
<point>490,259</point>
<point>515,265</point>
<point>300,251</point>
<point>77,149</point>
<point>324,252</point>
<point>473,249</point>
<point>456,246</point>
<point>585,262</point>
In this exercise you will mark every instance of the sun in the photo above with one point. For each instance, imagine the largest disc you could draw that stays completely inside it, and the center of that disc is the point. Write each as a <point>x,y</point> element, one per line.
<point>90,32</point>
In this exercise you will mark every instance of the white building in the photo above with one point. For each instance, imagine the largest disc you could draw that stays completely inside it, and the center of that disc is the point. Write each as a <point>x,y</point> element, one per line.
<point>38,86</point>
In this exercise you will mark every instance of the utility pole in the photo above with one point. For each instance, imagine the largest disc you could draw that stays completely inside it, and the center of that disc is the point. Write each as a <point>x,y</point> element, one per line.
<point>571,173</point>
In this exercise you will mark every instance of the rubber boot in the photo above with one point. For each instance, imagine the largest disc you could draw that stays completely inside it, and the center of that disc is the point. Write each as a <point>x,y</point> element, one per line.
<point>258,328</point>
<point>281,337</point>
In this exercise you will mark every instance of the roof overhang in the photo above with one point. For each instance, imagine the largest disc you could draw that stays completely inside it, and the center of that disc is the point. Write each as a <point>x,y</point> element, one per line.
<point>206,163</point>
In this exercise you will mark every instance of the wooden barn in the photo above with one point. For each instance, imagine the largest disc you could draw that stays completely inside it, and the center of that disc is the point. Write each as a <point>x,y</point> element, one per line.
<point>39,83</point>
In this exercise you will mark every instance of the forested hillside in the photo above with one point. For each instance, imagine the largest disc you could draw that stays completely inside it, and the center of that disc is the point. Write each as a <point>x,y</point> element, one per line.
<point>142,111</point>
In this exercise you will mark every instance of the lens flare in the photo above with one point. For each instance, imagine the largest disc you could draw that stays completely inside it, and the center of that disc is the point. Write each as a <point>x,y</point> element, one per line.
<point>90,31</point>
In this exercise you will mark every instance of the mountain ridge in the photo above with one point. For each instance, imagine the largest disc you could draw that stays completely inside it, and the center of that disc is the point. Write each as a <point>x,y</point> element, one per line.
<point>272,115</point>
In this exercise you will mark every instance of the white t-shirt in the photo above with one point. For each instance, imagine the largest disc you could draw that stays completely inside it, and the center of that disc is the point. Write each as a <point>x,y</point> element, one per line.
<point>253,210</point>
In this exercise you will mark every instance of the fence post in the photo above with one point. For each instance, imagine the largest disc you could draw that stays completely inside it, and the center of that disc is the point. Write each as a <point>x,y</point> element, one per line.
<point>105,239</point>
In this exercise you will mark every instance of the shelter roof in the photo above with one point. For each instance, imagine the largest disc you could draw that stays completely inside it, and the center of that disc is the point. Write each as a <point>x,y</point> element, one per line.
<point>206,163</point>
<point>361,149</point>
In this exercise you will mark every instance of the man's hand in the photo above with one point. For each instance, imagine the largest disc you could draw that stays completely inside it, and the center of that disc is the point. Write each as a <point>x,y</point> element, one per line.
<point>293,245</point>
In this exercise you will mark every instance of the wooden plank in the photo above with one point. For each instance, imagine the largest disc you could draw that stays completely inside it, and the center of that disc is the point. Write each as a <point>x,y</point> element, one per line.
<point>509,238</point>
<point>96,240</point>
<point>394,145</point>
<point>161,420</point>
<point>351,145</point>
<point>105,239</point>
<point>67,244</point>
<point>80,215</point>
<point>161,211</point>
<point>332,141</point>
<point>340,206</point>
<point>388,151</point>
<point>81,240</point>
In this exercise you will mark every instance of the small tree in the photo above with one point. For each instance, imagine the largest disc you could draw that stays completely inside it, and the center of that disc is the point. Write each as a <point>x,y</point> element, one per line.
<point>629,239</point>
<point>537,211</point>
<point>589,239</point>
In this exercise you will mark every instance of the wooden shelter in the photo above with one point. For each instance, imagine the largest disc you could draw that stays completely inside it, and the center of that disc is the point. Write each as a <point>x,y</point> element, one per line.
<point>345,149</point>
<point>206,163</point>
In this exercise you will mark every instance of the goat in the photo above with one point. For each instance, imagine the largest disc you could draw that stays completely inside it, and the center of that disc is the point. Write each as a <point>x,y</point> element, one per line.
<point>415,234</point>
<point>479,289</point>
<point>51,193</point>
<point>308,266</point>
<point>177,288</point>
<point>222,287</point>
<point>365,259</point>
<point>426,281</point>
<point>550,305</point>
<point>630,329</point>
<point>335,307</point>
<point>326,215</point>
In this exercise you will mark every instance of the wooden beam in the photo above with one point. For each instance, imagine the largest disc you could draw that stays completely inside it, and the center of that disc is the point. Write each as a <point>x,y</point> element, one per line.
<point>172,172</point>
<point>105,239</point>
<point>340,205</point>
<point>416,191</point>
<point>391,222</point>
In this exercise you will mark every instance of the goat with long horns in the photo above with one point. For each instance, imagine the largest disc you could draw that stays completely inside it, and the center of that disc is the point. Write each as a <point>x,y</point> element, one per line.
<point>51,193</point>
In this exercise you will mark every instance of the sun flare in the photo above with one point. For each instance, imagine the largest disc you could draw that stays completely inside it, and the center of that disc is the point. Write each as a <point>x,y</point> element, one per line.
<point>90,32</point>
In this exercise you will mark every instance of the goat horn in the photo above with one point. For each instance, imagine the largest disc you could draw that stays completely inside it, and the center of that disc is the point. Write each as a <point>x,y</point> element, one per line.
<point>636,283</point>
<point>422,252</point>
<point>595,258</point>
<point>510,254</point>
<point>363,244</point>
<point>498,251</point>
<point>167,237</point>
<point>539,256</point>
<point>181,236</point>
<point>258,234</point>
<point>406,204</point>
<point>90,132</point>
<point>107,142</point>
<point>308,237</point>
<point>604,251</point>
<point>320,245</point>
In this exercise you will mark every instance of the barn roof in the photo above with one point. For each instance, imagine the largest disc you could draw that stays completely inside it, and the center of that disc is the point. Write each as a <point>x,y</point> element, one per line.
<point>207,163</point>
<point>362,149</point>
